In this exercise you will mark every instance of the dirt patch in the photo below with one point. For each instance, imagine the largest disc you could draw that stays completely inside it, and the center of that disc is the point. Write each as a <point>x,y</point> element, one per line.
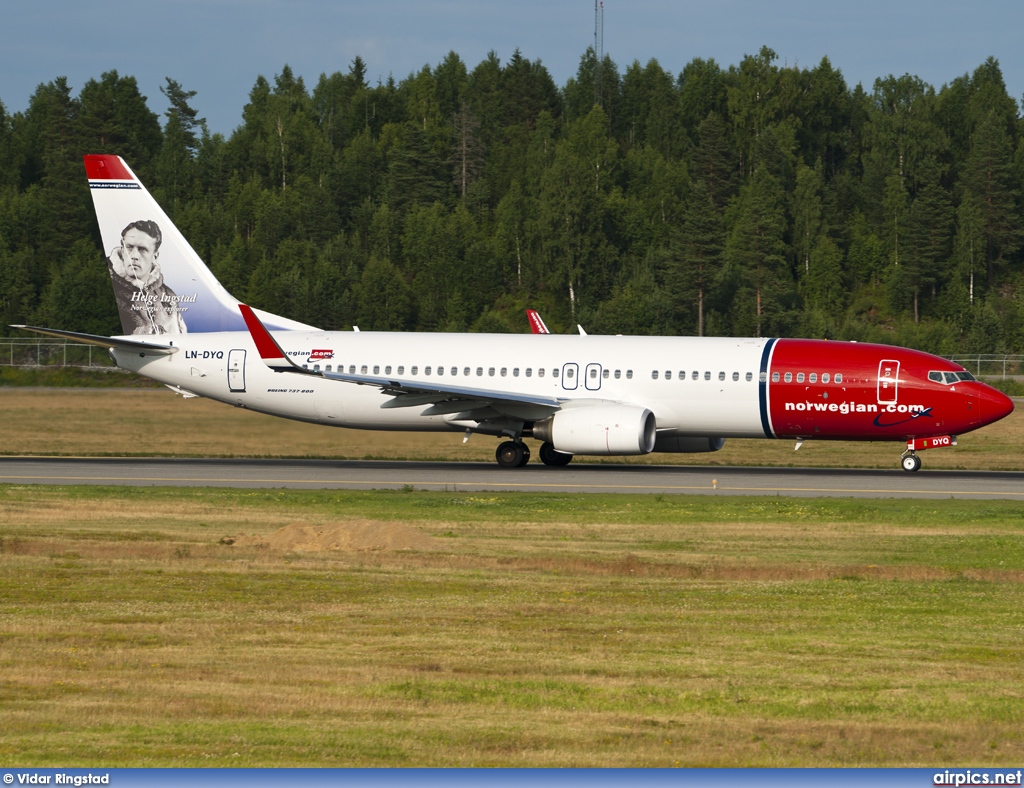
<point>354,536</point>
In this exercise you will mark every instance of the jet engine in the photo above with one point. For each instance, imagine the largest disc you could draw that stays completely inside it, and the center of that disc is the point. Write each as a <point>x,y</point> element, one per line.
<point>599,429</point>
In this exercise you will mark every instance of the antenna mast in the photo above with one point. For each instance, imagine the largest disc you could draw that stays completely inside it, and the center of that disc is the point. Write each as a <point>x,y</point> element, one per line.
<point>598,50</point>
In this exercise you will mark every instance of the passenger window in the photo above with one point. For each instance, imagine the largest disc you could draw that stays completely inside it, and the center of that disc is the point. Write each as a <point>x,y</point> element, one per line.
<point>414,370</point>
<point>316,367</point>
<point>629,374</point>
<point>707,375</point>
<point>618,374</point>
<point>401,370</point>
<point>504,372</point>
<point>529,372</point>
<point>788,377</point>
<point>721,376</point>
<point>813,377</point>
<point>593,373</point>
<point>362,370</point>
<point>695,375</point>
<point>735,375</point>
<point>540,372</point>
<point>762,377</point>
<point>605,374</point>
<point>554,372</point>
<point>490,372</point>
<point>570,373</point>
<point>654,375</point>
<point>799,377</point>
<point>305,366</point>
<point>351,369</point>
<point>455,370</point>
<point>327,368</point>
<point>839,377</point>
<point>681,375</point>
<point>515,372</point>
<point>668,375</point>
<point>376,369</point>
<point>387,370</point>
<point>466,372</point>
<point>825,378</point>
<point>750,376</point>
<point>426,370</point>
<point>479,372</point>
<point>775,377</point>
<point>440,370</point>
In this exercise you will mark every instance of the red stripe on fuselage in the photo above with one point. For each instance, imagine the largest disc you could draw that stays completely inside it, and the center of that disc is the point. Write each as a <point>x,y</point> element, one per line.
<point>904,405</point>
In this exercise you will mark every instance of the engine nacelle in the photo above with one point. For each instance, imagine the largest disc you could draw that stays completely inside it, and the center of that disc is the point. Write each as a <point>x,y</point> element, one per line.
<point>600,429</point>
<point>687,445</point>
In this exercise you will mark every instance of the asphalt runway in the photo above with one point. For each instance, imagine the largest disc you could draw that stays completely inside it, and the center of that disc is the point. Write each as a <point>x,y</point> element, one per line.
<point>581,478</point>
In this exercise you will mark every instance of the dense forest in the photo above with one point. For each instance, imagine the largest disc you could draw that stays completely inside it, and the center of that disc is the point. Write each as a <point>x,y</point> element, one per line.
<point>753,200</point>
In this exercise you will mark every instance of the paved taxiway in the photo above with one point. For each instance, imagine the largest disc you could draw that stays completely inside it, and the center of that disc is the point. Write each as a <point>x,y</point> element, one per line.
<point>617,478</point>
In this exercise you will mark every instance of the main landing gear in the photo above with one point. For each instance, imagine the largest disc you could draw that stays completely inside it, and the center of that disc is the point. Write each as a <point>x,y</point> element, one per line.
<point>515,454</point>
<point>512,454</point>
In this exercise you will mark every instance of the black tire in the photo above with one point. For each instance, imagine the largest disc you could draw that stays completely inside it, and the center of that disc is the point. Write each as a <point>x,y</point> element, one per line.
<point>549,456</point>
<point>911,463</point>
<point>510,454</point>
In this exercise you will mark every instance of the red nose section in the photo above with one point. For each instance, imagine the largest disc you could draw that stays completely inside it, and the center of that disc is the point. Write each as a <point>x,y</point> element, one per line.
<point>994,405</point>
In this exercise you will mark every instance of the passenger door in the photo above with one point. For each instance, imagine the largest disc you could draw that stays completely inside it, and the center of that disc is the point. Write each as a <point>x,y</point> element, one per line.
<point>888,381</point>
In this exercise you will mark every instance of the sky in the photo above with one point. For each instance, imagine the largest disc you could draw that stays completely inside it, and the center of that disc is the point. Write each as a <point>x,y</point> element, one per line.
<point>219,47</point>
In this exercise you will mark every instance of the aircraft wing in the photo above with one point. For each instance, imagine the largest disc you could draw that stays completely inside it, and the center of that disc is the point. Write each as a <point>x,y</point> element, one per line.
<point>437,398</point>
<point>107,342</point>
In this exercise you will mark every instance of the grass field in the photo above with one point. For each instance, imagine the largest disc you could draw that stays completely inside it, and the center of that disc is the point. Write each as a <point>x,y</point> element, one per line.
<point>526,630</point>
<point>117,422</point>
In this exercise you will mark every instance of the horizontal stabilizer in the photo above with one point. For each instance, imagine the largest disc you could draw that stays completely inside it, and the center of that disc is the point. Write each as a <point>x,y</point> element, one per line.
<point>107,342</point>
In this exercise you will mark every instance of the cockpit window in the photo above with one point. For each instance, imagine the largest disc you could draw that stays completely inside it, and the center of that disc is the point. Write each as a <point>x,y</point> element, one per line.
<point>949,378</point>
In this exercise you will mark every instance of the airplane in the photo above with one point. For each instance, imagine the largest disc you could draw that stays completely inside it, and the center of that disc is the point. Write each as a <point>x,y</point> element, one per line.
<point>577,394</point>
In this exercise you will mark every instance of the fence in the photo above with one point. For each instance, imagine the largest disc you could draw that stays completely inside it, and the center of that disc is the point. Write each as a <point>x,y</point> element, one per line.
<point>992,365</point>
<point>28,352</point>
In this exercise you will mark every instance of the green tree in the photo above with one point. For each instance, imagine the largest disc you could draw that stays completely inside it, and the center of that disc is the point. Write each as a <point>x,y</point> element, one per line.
<point>756,254</point>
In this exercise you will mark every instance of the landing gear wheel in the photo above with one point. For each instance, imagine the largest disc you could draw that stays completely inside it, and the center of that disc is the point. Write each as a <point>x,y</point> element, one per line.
<point>911,462</point>
<point>511,454</point>
<point>526,455</point>
<point>549,456</point>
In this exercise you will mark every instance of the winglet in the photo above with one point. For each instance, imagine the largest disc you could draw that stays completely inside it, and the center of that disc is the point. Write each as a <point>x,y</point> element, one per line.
<point>536,322</point>
<point>271,353</point>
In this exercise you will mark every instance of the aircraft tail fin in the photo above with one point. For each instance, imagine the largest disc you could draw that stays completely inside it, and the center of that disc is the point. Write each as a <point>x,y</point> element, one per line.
<point>161,285</point>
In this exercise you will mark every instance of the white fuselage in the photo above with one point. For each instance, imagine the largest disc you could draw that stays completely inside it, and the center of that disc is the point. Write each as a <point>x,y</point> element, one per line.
<point>695,387</point>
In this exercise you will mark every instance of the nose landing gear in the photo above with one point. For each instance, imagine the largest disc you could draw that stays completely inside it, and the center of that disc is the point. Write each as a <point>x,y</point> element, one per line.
<point>911,462</point>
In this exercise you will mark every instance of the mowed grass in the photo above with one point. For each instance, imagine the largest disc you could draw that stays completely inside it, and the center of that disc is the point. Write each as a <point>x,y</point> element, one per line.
<point>141,422</point>
<point>542,630</point>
